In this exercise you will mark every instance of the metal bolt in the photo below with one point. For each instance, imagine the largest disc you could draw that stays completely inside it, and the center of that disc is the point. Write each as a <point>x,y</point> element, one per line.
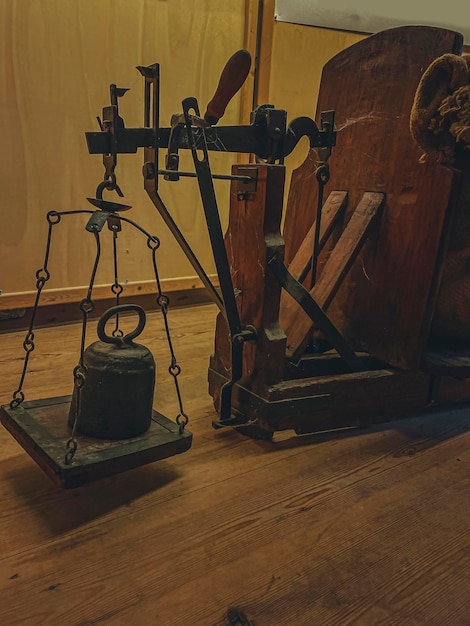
<point>148,170</point>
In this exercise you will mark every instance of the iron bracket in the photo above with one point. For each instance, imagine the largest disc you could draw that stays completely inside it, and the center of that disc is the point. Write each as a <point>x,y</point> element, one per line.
<point>315,312</point>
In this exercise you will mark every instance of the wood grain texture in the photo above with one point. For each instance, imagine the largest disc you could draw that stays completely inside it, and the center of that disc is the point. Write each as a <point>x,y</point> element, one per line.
<point>296,324</point>
<point>383,306</point>
<point>332,210</point>
<point>370,527</point>
<point>252,237</point>
<point>57,62</point>
<point>295,66</point>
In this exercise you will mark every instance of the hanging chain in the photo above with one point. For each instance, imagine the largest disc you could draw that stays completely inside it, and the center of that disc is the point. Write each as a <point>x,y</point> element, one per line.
<point>153,243</point>
<point>322,174</point>
<point>42,276</point>
<point>116,287</point>
<point>79,373</point>
<point>86,307</point>
<point>163,302</point>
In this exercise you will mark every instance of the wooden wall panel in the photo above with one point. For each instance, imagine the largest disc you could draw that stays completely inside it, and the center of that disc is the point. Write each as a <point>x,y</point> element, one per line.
<point>298,56</point>
<point>57,60</point>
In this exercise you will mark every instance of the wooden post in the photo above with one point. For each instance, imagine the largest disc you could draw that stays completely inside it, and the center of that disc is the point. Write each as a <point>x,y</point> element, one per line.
<point>253,235</point>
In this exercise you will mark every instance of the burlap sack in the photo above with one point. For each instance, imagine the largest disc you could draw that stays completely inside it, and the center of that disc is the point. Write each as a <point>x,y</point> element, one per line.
<point>440,125</point>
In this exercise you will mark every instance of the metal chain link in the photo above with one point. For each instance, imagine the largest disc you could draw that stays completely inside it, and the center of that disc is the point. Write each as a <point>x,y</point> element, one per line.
<point>86,306</point>
<point>322,174</point>
<point>116,287</point>
<point>153,243</point>
<point>42,276</point>
<point>163,302</point>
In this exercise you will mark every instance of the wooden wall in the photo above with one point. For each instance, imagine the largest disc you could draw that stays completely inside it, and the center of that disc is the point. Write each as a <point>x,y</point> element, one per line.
<point>57,60</point>
<point>298,56</point>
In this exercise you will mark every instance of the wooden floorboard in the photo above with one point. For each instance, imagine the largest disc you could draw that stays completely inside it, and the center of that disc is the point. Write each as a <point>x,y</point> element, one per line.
<point>368,528</point>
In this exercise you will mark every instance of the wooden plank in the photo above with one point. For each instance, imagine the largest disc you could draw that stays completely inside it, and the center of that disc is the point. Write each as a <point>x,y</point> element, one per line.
<point>448,362</point>
<point>330,402</point>
<point>298,55</point>
<point>253,235</point>
<point>383,305</point>
<point>295,323</point>
<point>331,211</point>
<point>64,311</point>
<point>47,166</point>
<point>70,295</point>
<point>41,428</point>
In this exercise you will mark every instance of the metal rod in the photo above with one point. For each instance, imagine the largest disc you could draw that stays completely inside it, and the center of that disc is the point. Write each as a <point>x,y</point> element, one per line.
<point>245,179</point>
<point>315,312</point>
<point>184,245</point>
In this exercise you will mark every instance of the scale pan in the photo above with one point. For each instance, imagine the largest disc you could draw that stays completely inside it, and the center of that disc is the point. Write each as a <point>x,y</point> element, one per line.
<point>110,207</point>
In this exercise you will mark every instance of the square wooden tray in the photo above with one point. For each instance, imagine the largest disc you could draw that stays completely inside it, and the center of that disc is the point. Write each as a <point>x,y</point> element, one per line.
<point>41,428</point>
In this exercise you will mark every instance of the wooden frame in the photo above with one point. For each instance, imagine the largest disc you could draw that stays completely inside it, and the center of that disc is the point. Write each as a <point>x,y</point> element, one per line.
<point>283,386</point>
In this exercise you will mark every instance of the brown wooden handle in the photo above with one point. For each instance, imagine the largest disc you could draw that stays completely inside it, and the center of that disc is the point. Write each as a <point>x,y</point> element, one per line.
<point>232,78</point>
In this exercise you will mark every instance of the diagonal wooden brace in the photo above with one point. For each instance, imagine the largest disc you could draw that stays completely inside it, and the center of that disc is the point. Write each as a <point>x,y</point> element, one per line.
<point>293,320</point>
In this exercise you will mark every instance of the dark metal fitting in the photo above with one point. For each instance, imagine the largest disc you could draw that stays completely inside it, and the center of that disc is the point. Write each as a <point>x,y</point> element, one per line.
<point>86,305</point>
<point>18,398</point>
<point>322,173</point>
<point>43,274</point>
<point>149,71</point>
<point>116,92</point>
<point>258,116</point>
<point>237,618</point>
<point>148,170</point>
<point>248,179</point>
<point>233,420</point>
<point>53,217</point>
<point>276,120</point>
<point>172,162</point>
<point>114,223</point>
<point>153,243</point>
<point>247,334</point>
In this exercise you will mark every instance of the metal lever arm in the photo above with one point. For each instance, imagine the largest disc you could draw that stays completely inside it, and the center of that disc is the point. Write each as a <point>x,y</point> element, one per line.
<point>237,334</point>
<point>232,78</point>
<point>315,312</point>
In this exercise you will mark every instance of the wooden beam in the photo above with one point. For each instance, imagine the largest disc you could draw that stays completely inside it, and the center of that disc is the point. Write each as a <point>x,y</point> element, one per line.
<point>332,210</point>
<point>295,323</point>
<point>71,295</point>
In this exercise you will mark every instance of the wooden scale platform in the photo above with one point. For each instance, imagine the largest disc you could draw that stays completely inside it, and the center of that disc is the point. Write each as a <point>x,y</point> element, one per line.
<point>40,427</point>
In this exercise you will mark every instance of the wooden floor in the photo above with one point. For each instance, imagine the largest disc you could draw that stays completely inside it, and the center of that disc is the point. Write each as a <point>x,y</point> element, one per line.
<point>367,529</point>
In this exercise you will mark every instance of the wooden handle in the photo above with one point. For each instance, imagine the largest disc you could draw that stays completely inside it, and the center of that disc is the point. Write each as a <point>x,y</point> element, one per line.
<point>232,78</point>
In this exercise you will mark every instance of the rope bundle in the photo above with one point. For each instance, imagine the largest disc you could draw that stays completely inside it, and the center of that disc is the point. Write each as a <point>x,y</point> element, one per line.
<point>440,115</point>
<point>440,125</point>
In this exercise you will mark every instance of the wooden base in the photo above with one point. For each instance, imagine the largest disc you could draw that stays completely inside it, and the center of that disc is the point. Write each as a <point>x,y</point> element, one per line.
<point>41,428</point>
<point>319,397</point>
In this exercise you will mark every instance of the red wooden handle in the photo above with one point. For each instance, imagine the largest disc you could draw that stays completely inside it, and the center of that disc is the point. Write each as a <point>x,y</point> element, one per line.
<point>232,78</point>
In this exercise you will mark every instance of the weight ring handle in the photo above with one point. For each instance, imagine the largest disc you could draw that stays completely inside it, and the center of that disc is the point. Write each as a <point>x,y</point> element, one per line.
<point>116,310</point>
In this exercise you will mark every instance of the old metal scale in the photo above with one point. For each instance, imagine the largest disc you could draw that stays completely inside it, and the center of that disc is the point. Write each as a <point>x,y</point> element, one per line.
<point>109,425</point>
<point>316,330</point>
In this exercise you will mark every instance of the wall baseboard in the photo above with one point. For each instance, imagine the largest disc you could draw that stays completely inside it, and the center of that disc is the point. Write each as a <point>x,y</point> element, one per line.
<point>62,306</point>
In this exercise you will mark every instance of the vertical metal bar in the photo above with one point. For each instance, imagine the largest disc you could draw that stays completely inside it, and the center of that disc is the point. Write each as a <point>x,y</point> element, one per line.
<point>211,212</point>
<point>214,227</point>
<point>316,236</point>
